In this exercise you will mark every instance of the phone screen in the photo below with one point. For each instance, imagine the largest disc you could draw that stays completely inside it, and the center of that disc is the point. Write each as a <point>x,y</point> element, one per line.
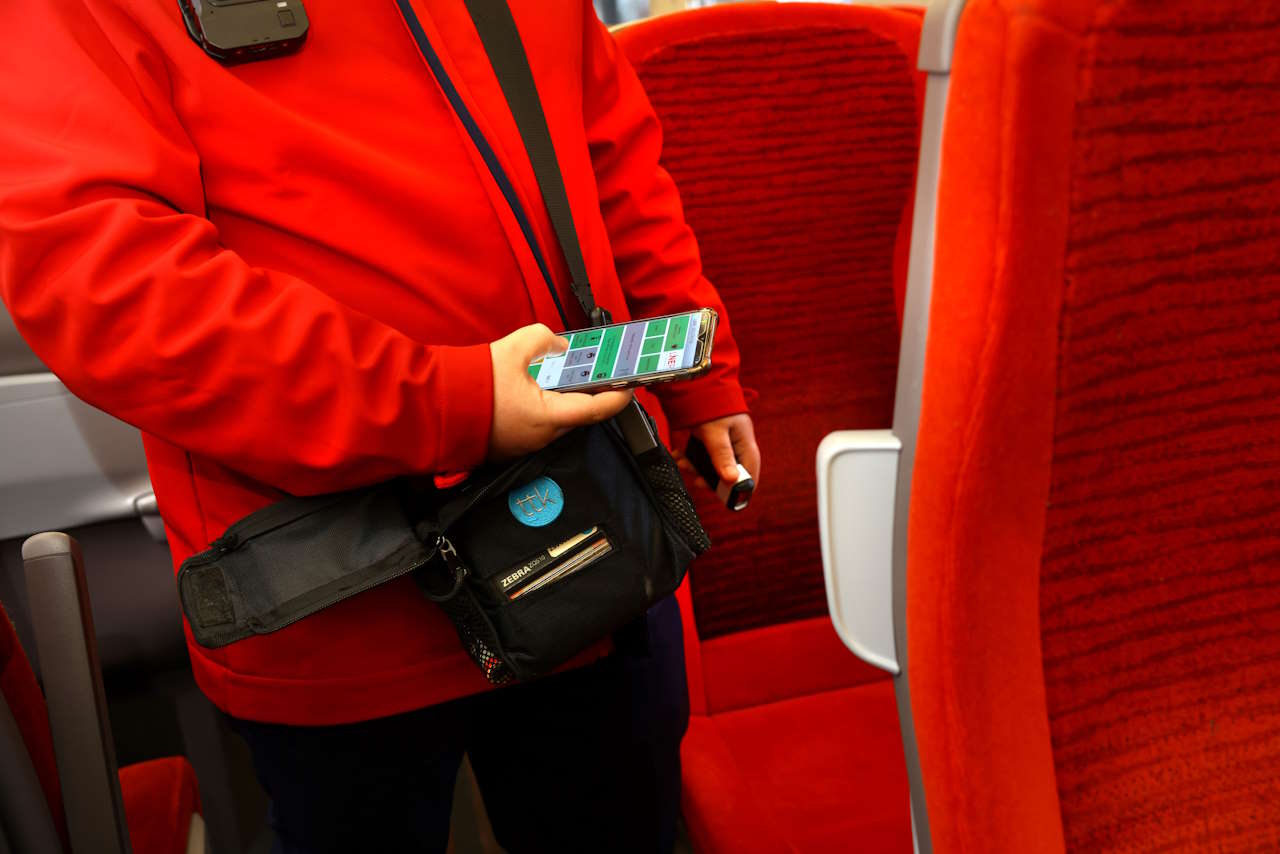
<point>629,353</point>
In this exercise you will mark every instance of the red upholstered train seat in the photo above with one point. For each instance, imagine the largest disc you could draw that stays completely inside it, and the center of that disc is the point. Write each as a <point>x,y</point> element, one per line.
<point>1094,546</point>
<point>160,796</point>
<point>792,132</point>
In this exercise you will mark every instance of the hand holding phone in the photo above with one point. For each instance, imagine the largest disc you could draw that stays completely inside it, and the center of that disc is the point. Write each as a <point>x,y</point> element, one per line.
<point>626,355</point>
<point>525,419</point>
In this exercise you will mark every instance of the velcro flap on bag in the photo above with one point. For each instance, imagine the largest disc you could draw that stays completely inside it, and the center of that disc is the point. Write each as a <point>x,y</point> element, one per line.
<point>296,557</point>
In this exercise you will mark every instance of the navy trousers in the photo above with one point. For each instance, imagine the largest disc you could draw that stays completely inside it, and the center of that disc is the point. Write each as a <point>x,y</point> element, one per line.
<point>586,760</point>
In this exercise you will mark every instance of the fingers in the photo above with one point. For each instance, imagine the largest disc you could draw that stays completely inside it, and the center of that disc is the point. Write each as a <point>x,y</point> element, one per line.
<point>749,456</point>
<point>530,342</point>
<point>745,448</point>
<point>720,449</point>
<point>574,409</point>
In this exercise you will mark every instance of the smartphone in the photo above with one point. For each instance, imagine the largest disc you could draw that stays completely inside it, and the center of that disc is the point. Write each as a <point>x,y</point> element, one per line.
<point>636,353</point>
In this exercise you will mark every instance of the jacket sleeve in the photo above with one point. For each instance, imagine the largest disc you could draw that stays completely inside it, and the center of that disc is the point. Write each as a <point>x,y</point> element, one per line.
<point>654,249</point>
<point>119,283</point>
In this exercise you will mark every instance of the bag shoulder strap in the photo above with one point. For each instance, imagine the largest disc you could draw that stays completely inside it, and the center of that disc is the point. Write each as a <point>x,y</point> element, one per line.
<point>501,40</point>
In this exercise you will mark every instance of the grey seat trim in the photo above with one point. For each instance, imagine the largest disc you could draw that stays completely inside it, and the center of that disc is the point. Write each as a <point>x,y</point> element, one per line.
<point>937,44</point>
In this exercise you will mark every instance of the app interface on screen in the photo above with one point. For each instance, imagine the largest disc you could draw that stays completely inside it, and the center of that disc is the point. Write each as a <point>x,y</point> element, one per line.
<point>618,352</point>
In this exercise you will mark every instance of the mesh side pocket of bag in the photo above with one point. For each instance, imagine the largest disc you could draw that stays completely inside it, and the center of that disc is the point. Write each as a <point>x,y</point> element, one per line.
<point>668,487</point>
<point>473,628</point>
<point>478,637</point>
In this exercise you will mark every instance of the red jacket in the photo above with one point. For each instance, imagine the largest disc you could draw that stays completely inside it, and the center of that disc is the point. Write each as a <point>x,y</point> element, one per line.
<point>285,274</point>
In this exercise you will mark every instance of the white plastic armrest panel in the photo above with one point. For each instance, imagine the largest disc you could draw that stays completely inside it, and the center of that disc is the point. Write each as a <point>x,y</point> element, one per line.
<point>857,483</point>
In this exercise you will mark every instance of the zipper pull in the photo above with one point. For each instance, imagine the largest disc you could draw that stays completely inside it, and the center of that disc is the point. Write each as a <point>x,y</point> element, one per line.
<point>449,555</point>
<point>223,545</point>
<point>451,560</point>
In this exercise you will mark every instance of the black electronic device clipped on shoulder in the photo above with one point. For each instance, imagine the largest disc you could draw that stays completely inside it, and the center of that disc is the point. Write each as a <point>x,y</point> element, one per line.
<point>736,494</point>
<point>233,31</point>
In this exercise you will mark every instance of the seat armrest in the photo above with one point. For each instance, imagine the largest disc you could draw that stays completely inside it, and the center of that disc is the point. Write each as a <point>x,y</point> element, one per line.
<point>857,483</point>
<point>68,649</point>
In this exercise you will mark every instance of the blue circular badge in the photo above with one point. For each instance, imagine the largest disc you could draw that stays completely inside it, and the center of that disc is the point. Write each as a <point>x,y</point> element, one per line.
<point>537,503</point>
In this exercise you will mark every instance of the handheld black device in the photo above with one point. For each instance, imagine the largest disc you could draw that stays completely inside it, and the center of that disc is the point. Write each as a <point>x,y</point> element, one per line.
<point>736,495</point>
<point>233,31</point>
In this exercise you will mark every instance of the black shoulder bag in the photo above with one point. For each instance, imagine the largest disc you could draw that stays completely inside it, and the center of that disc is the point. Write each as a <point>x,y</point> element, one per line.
<point>534,561</point>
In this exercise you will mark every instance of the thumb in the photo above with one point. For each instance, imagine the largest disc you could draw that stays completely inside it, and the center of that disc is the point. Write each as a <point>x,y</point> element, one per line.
<point>529,342</point>
<point>574,409</point>
<point>720,449</point>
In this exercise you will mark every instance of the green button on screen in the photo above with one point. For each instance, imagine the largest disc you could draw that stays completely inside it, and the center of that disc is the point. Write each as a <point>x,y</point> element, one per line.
<point>586,338</point>
<point>676,332</point>
<point>608,353</point>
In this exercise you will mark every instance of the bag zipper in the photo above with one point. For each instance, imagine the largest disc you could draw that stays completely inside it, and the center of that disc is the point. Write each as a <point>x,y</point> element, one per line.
<point>449,554</point>
<point>263,521</point>
<point>367,585</point>
<point>500,481</point>
<point>600,548</point>
<point>664,515</point>
<point>534,566</point>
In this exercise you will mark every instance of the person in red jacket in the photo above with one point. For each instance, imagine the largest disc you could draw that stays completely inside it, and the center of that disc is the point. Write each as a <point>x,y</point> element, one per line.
<point>299,276</point>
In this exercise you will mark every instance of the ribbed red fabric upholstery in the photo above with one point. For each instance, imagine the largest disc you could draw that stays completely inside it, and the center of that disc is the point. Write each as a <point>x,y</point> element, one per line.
<point>1093,553</point>
<point>792,134</point>
<point>1160,589</point>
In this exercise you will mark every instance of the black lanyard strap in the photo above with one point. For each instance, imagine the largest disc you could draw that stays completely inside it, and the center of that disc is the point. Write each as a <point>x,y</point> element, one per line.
<point>501,40</point>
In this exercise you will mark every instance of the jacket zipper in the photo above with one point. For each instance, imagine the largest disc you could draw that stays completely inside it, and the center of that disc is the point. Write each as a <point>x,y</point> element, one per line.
<point>482,146</point>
